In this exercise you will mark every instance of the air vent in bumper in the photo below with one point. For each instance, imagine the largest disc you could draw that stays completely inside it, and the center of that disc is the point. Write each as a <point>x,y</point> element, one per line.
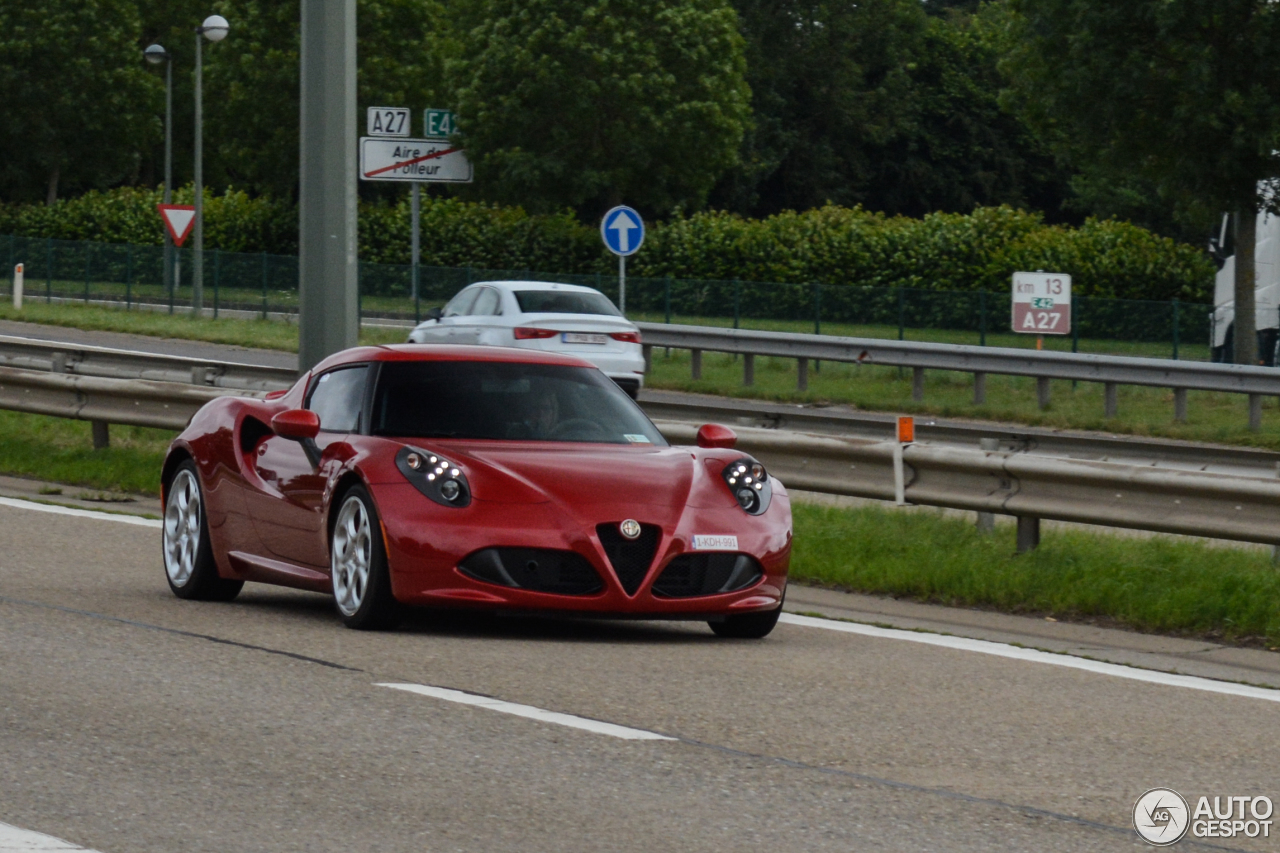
<point>630,558</point>
<point>689,575</point>
<point>534,569</point>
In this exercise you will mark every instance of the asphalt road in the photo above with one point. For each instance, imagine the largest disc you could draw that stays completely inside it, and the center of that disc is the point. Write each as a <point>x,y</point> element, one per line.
<point>133,721</point>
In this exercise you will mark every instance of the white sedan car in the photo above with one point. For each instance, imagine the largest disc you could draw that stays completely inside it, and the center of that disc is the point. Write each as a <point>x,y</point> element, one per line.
<point>540,315</point>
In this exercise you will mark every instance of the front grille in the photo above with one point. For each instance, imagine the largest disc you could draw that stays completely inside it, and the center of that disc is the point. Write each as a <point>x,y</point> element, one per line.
<point>706,574</point>
<point>630,558</point>
<point>535,569</point>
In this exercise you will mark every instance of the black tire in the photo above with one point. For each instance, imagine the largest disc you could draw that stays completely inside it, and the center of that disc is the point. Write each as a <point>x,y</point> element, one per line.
<point>189,565</point>
<point>363,603</point>
<point>747,626</point>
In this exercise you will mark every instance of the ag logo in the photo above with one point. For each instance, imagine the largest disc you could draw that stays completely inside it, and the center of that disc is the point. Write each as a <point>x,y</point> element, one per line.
<point>1161,817</point>
<point>630,528</point>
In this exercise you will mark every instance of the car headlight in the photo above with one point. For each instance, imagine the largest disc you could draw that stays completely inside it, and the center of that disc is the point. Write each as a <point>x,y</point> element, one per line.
<point>435,476</point>
<point>748,482</point>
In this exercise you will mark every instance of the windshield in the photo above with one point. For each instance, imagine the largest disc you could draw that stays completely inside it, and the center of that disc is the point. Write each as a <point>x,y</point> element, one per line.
<point>565,302</point>
<point>516,402</point>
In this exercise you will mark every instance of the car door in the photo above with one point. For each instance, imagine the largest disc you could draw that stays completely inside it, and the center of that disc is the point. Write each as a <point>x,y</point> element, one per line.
<point>288,507</point>
<point>483,313</point>
<point>455,315</point>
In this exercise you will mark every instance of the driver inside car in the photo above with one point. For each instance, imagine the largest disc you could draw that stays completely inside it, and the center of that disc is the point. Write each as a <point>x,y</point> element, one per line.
<point>543,414</point>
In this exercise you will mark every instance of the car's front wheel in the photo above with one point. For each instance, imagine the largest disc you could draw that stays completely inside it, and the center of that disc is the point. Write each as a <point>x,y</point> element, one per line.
<point>188,555</point>
<point>358,565</point>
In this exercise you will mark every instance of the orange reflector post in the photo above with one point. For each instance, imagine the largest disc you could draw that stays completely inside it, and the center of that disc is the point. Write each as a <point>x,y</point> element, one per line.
<point>906,430</point>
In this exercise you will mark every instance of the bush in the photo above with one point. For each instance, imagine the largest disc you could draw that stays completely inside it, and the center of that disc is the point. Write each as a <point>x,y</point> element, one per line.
<point>831,245</point>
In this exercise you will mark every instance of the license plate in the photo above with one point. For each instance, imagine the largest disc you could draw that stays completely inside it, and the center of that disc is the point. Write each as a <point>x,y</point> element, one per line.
<point>583,338</point>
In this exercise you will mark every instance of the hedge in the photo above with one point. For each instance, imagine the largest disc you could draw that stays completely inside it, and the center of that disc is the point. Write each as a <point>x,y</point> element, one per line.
<point>832,245</point>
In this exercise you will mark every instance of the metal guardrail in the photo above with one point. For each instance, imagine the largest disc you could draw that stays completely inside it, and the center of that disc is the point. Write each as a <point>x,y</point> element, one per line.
<point>1031,487</point>
<point>1110,370</point>
<point>1005,481</point>
<point>83,360</point>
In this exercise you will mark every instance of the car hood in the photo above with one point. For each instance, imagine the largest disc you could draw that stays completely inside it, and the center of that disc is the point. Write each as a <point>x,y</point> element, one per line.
<point>589,482</point>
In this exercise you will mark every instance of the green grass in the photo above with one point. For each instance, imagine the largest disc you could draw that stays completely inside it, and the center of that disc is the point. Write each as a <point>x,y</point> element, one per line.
<point>61,450</point>
<point>1156,584</point>
<point>262,334</point>
<point>1211,416</point>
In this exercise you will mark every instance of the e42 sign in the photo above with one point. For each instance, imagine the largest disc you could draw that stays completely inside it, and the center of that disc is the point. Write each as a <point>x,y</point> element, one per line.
<point>1042,303</point>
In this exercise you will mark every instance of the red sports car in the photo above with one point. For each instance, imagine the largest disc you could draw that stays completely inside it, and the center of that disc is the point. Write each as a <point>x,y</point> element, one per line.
<point>490,478</point>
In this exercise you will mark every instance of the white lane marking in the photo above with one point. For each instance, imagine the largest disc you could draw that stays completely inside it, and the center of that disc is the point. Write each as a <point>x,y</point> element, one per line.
<point>14,840</point>
<point>529,711</point>
<point>987,647</point>
<point>18,503</point>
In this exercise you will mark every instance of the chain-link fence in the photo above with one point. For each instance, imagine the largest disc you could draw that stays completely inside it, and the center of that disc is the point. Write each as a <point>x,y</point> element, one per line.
<point>266,285</point>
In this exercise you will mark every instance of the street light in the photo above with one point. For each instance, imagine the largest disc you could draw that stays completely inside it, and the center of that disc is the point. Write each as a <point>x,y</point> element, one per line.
<point>214,28</point>
<point>156,54</point>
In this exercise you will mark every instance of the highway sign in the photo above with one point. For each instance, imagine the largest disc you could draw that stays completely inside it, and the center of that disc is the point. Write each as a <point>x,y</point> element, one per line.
<point>178,218</point>
<point>426,160</point>
<point>387,121</point>
<point>438,124</point>
<point>1042,303</point>
<point>622,230</point>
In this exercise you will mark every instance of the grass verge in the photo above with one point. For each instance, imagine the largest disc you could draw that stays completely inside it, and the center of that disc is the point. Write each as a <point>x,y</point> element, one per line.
<point>1160,584</point>
<point>62,450</point>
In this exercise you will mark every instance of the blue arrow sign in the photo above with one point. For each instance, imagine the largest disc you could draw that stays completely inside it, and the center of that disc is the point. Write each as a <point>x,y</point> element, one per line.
<point>622,230</point>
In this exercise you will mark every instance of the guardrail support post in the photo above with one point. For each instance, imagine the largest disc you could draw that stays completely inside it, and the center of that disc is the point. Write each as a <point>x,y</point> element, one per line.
<point>917,384</point>
<point>695,363</point>
<point>1180,405</point>
<point>58,362</point>
<point>101,435</point>
<point>1042,391</point>
<point>979,388</point>
<point>748,369</point>
<point>802,374</point>
<point>1255,412</point>
<point>1028,533</point>
<point>648,358</point>
<point>1109,406</point>
<point>987,520</point>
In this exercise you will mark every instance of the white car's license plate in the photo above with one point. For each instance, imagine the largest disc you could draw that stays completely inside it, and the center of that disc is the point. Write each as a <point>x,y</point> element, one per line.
<point>583,338</point>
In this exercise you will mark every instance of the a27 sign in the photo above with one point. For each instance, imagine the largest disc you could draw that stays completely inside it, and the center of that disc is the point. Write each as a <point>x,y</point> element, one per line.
<point>1042,303</point>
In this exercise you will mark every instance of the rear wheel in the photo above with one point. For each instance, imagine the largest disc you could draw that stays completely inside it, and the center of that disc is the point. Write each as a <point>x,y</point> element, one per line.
<point>358,565</point>
<point>747,626</point>
<point>188,555</point>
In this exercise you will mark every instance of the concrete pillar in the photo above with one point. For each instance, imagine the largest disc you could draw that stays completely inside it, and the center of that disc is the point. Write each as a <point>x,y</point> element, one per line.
<point>328,272</point>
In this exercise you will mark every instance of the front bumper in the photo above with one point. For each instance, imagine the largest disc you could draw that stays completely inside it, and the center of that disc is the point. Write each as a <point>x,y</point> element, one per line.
<point>425,544</point>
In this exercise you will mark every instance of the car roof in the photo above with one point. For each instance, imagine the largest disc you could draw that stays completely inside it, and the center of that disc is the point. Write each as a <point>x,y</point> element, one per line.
<point>438,352</point>
<point>537,285</point>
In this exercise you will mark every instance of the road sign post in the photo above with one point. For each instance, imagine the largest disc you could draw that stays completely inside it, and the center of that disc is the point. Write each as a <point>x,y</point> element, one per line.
<point>1041,304</point>
<point>622,230</point>
<point>418,161</point>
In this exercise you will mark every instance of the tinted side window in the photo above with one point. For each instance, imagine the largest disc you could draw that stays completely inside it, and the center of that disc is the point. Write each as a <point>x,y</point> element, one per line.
<point>460,305</point>
<point>487,304</point>
<point>337,398</point>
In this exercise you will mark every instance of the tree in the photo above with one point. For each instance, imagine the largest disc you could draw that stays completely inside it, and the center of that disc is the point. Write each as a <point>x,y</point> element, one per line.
<point>585,103</point>
<point>1182,93</point>
<point>252,83</point>
<point>79,104</point>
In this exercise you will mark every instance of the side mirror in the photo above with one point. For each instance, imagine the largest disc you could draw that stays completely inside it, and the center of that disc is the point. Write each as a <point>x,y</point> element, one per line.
<point>714,435</point>
<point>435,313</point>
<point>296,424</point>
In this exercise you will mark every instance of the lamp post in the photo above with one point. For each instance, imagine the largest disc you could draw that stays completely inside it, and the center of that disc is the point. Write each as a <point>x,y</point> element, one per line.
<point>156,54</point>
<point>214,28</point>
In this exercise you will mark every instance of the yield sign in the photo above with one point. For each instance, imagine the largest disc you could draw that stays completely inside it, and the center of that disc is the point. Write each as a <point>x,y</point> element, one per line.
<point>178,218</point>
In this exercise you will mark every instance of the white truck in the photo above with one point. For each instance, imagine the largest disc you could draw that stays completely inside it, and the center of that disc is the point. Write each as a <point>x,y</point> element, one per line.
<point>1266,296</point>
